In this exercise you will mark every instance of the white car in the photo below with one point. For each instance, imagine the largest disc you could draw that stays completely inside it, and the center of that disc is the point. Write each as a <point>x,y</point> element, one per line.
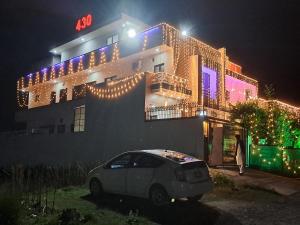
<point>160,175</point>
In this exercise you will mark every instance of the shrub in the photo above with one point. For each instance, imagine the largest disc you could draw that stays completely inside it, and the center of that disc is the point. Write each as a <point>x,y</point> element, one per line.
<point>69,217</point>
<point>221,180</point>
<point>10,210</point>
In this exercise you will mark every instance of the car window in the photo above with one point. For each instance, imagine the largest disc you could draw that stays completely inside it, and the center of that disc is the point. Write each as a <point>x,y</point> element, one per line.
<point>146,161</point>
<point>120,162</point>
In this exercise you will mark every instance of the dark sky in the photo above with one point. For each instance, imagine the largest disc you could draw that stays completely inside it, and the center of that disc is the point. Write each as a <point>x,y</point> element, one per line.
<point>261,35</point>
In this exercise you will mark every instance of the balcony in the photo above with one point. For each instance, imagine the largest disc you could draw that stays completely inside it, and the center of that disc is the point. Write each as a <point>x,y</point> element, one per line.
<point>170,86</point>
<point>185,110</point>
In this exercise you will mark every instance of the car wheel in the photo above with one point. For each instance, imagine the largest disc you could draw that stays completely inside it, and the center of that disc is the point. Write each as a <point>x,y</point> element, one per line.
<point>159,196</point>
<point>95,188</point>
<point>195,198</point>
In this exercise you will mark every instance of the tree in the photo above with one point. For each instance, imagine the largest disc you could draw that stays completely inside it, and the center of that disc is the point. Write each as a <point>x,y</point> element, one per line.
<point>251,117</point>
<point>269,91</point>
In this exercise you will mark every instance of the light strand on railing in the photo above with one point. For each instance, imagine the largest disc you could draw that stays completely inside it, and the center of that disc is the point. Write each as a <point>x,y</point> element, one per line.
<point>52,74</point>
<point>61,70</point>
<point>117,89</point>
<point>70,68</point>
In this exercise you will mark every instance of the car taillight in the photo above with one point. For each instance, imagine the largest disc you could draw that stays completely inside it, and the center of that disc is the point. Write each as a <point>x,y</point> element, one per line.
<point>180,174</point>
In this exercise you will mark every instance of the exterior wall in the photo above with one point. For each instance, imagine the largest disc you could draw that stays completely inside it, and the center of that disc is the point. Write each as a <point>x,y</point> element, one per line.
<point>112,127</point>
<point>56,114</point>
<point>83,48</point>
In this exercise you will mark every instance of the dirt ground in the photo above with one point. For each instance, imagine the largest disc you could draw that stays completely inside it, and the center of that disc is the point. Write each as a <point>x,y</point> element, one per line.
<point>255,207</point>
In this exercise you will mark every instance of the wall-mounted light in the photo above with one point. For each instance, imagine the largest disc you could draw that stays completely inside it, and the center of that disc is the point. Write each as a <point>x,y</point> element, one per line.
<point>131,33</point>
<point>184,33</point>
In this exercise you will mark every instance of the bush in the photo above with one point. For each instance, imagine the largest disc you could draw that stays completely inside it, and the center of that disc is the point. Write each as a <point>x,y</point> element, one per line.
<point>221,180</point>
<point>10,210</point>
<point>69,217</point>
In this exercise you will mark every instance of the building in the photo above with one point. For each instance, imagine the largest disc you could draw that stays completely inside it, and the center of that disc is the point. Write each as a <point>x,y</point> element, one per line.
<point>126,86</point>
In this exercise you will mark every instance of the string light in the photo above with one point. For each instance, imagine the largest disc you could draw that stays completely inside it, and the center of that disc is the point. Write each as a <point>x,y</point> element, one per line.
<point>102,57</point>
<point>45,76</point>
<point>116,53</point>
<point>62,70</point>
<point>117,88</point>
<point>80,64</point>
<point>70,68</point>
<point>92,60</point>
<point>52,74</point>
<point>37,78</point>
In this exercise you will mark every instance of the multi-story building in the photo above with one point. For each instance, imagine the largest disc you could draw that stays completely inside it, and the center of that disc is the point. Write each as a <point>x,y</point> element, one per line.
<point>127,86</point>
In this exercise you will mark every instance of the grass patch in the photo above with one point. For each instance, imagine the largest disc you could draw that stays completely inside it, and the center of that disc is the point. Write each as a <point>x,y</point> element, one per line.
<point>70,209</point>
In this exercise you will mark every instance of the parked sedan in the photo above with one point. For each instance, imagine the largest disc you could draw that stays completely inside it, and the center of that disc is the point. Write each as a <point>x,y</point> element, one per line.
<point>160,175</point>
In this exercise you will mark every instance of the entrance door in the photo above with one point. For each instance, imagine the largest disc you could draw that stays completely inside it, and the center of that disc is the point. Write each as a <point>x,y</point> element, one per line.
<point>217,146</point>
<point>229,144</point>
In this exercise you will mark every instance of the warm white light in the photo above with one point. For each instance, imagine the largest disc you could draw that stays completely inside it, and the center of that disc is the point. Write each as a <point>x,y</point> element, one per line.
<point>157,49</point>
<point>184,33</point>
<point>131,33</point>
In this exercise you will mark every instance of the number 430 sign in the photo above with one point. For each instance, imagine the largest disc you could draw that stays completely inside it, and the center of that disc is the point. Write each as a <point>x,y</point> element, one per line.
<point>84,22</point>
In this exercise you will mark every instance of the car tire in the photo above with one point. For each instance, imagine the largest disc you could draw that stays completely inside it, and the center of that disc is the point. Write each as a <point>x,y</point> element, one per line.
<point>96,188</point>
<point>195,198</point>
<point>159,196</point>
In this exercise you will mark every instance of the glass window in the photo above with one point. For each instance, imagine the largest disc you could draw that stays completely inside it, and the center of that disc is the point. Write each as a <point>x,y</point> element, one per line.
<point>159,68</point>
<point>109,41</point>
<point>120,162</point>
<point>112,39</point>
<point>146,161</point>
<point>79,119</point>
<point>115,38</point>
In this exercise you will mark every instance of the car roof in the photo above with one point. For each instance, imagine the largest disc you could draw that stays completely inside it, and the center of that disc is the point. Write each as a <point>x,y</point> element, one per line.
<point>174,156</point>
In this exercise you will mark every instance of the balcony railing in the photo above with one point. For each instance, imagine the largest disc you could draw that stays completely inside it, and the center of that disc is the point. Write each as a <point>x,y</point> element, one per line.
<point>185,110</point>
<point>170,85</point>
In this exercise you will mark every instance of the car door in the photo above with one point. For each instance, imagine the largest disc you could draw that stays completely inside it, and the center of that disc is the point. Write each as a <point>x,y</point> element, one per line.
<point>140,173</point>
<point>114,174</point>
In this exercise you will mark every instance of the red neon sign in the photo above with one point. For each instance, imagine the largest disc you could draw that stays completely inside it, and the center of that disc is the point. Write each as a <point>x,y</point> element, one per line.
<point>84,22</point>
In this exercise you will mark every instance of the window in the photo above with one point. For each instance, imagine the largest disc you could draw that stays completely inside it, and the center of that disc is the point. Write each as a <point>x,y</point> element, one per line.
<point>159,68</point>
<point>53,97</point>
<point>112,39</point>
<point>37,98</point>
<point>109,41</point>
<point>78,91</point>
<point>120,162</point>
<point>63,95</point>
<point>146,161</point>
<point>247,94</point>
<point>79,119</point>
<point>115,38</point>
<point>227,95</point>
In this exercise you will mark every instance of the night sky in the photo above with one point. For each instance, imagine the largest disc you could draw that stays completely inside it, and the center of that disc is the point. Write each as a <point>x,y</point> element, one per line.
<point>261,35</point>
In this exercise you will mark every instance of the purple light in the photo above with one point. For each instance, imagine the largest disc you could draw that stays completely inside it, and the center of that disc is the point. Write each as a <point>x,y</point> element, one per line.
<point>151,30</point>
<point>103,49</point>
<point>237,89</point>
<point>210,81</point>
